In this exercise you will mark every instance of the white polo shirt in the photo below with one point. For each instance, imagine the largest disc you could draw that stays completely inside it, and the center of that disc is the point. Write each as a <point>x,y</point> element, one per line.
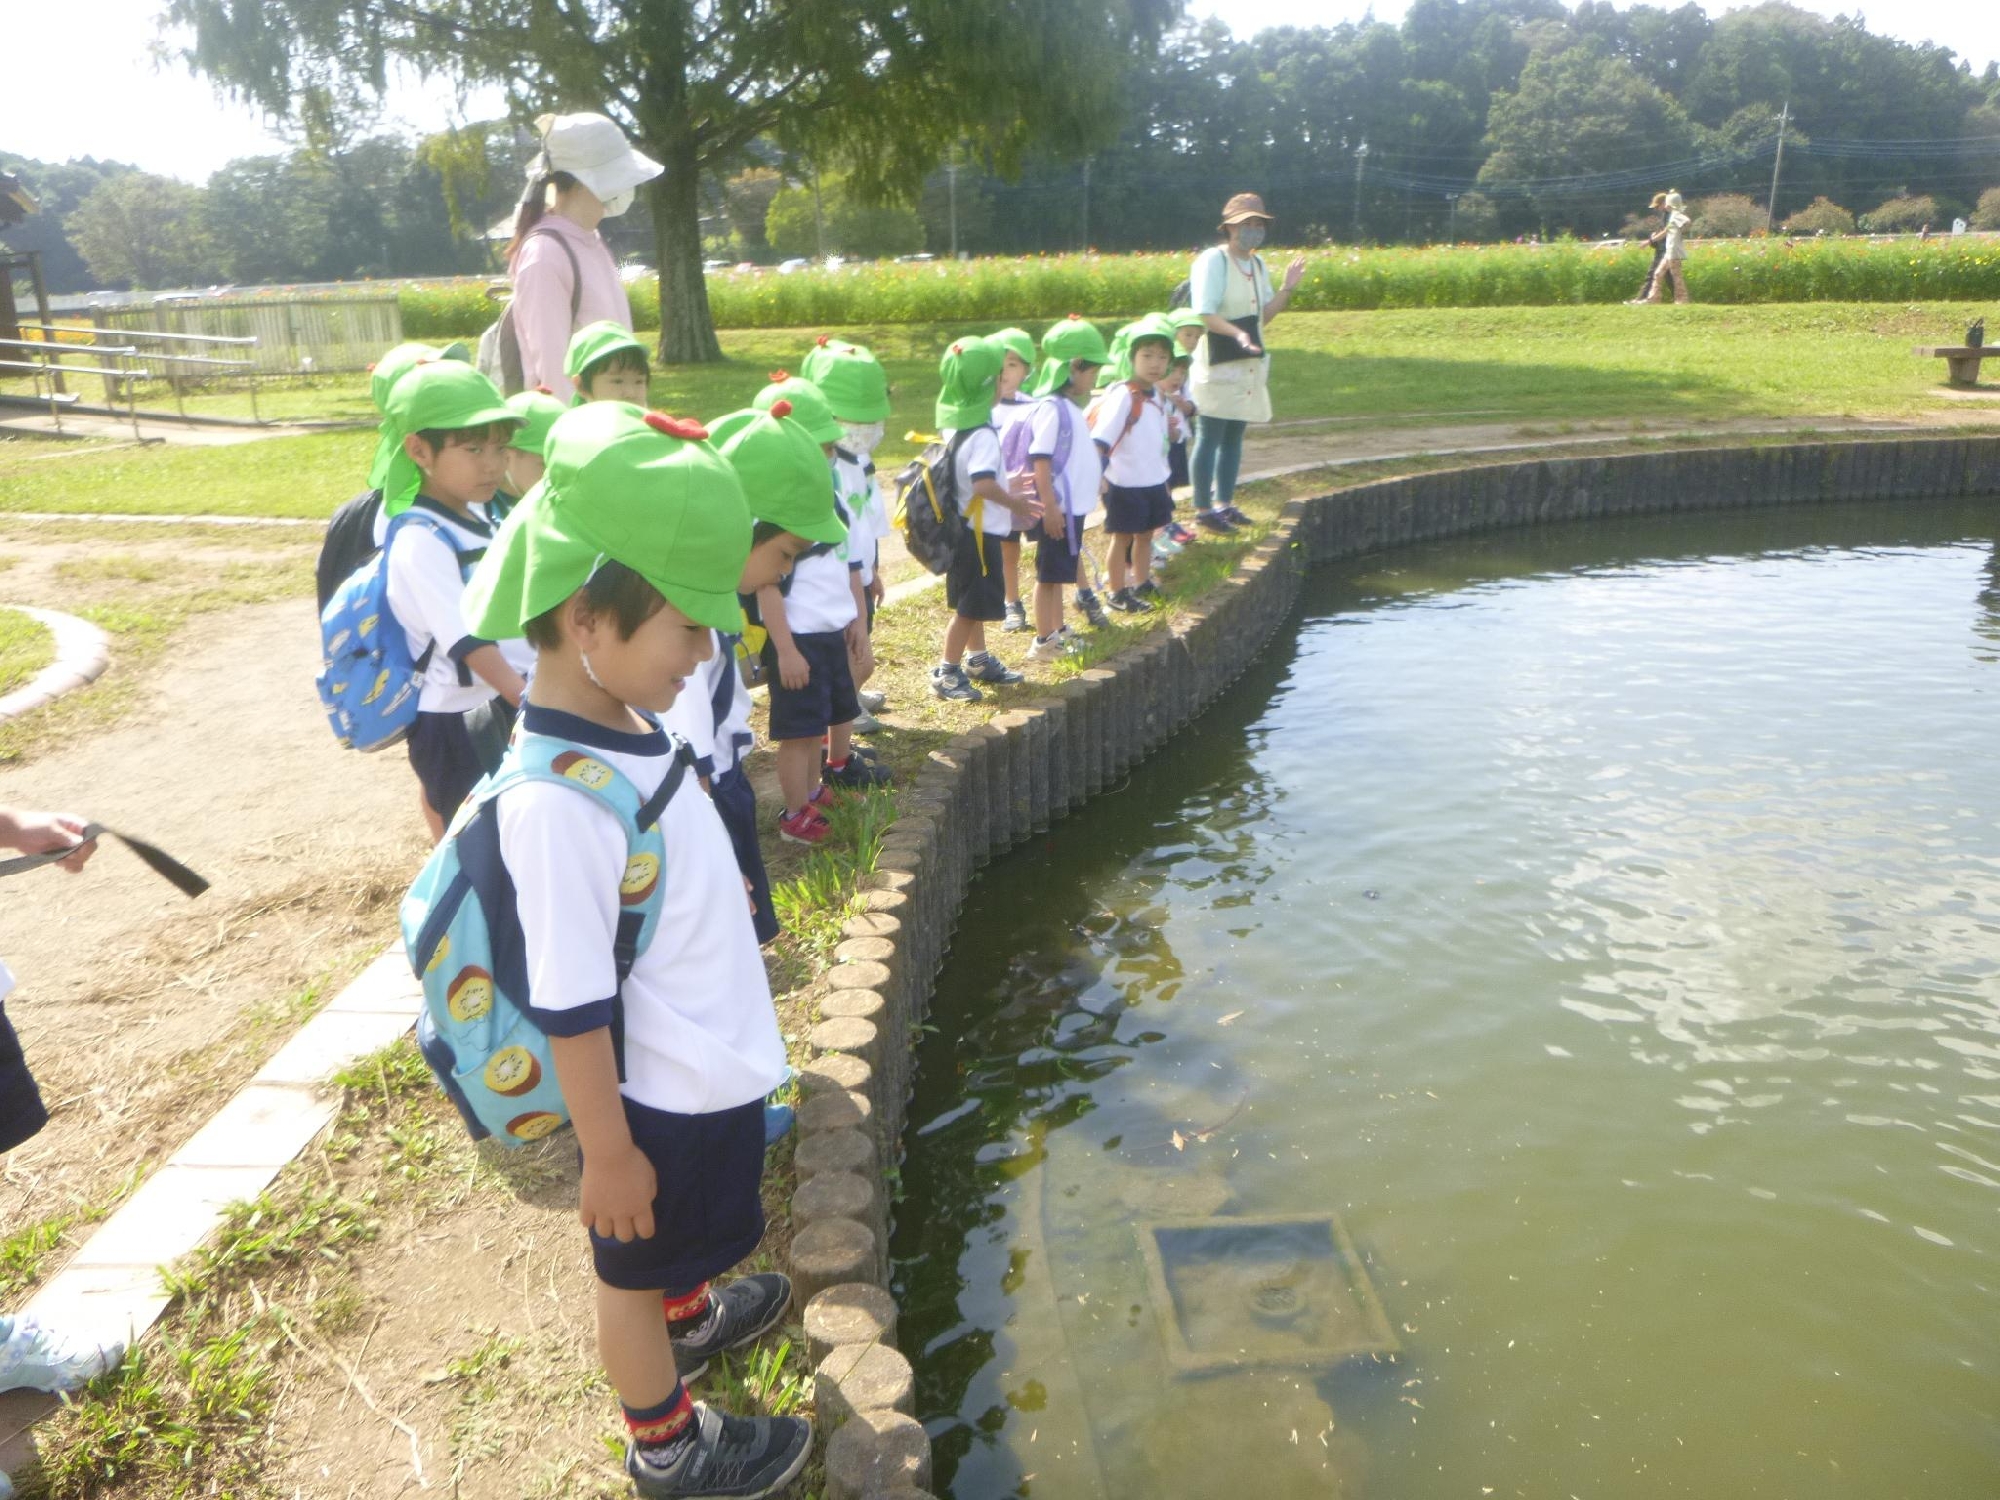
<point>426,594</point>
<point>1138,458</point>
<point>819,598</point>
<point>868,518</point>
<point>979,458</point>
<point>712,712</point>
<point>700,1031</point>
<point>1086,462</point>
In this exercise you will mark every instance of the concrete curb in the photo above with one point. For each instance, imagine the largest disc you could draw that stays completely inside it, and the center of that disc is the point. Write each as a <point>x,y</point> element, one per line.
<point>82,653</point>
<point>988,789</point>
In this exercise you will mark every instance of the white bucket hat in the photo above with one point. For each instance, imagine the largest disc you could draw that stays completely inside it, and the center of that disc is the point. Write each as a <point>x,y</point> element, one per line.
<point>594,151</point>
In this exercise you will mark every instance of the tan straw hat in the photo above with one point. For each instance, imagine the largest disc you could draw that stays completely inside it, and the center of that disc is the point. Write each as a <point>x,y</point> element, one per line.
<point>1244,206</point>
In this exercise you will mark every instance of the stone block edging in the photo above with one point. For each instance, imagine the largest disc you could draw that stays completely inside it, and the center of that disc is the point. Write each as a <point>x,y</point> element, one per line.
<point>82,653</point>
<point>1000,783</point>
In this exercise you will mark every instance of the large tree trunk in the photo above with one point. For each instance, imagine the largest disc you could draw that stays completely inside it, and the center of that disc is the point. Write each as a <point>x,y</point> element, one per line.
<point>687,330</point>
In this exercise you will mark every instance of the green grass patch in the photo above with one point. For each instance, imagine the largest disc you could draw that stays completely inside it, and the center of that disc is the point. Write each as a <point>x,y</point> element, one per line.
<point>290,476</point>
<point>26,646</point>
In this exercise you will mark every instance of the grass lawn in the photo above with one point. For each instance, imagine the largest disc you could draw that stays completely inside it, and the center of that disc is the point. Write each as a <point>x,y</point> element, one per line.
<point>25,648</point>
<point>1404,368</point>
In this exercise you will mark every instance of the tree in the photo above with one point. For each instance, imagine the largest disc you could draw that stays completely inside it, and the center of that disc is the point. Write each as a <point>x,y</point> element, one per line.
<point>1987,214</point>
<point>1902,214</point>
<point>1728,216</point>
<point>795,225</point>
<point>1821,216</point>
<point>58,188</point>
<point>143,231</point>
<point>749,194</point>
<point>882,87</point>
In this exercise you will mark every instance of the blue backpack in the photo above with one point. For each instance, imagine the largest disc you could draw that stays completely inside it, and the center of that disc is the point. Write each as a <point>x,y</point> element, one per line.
<point>462,933</point>
<point>367,682</point>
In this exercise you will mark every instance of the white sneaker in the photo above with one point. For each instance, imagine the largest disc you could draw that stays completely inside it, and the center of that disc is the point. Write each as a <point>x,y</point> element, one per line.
<point>1048,648</point>
<point>34,1358</point>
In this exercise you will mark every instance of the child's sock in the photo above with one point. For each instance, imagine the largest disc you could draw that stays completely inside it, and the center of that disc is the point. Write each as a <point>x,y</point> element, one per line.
<point>663,1433</point>
<point>689,1310</point>
<point>837,766</point>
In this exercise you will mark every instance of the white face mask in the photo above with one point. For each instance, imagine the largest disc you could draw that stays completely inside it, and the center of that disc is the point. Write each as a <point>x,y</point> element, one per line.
<point>617,203</point>
<point>862,437</point>
<point>1250,236</point>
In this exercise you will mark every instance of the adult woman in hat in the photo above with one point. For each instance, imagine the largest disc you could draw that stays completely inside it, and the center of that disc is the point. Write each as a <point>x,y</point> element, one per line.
<point>1230,381</point>
<point>564,274</point>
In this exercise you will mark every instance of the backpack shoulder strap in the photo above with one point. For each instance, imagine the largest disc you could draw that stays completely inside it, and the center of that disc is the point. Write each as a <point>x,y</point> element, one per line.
<point>575,270</point>
<point>1140,396</point>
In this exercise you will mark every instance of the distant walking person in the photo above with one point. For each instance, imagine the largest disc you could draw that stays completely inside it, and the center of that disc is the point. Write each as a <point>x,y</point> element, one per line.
<point>1658,240</point>
<point>1673,258</point>
<point>1229,383</point>
<point>564,275</point>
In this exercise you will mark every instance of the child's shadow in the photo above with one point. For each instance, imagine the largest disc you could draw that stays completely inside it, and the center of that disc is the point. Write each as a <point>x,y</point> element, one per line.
<point>544,1175</point>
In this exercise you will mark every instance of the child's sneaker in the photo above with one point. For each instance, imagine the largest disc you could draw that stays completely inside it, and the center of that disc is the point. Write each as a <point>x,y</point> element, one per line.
<point>1180,535</point>
<point>1048,648</point>
<point>984,666</point>
<point>1164,548</point>
<point>1232,515</point>
<point>873,701</point>
<point>741,1458</point>
<point>867,723</point>
<point>806,826</point>
<point>1125,604</point>
<point>857,775</point>
<point>1149,595</point>
<point>34,1358</point>
<point>738,1314</point>
<point>1016,618</point>
<point>951,684</point>
<point>1214,520</point>
<point>1092,611</point>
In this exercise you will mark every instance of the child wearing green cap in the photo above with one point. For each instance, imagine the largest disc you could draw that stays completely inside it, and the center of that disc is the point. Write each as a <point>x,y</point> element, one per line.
<point>1067,467</point>
<point>1011,406</point>
<point>538,410</point>
<point>973,584</point>
<point>1130,419</point>
<point>607,364</point>
<point>619,568</point>
<point>450,429</point>
<point>784,483</point>
<point>816,647</point>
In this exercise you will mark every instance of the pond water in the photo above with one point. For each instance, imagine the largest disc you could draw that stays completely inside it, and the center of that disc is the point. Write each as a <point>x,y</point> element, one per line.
<point>1574,954</point>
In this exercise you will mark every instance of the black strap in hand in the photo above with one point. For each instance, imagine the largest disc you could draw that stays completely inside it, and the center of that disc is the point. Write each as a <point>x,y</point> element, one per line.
<point>172,869</point>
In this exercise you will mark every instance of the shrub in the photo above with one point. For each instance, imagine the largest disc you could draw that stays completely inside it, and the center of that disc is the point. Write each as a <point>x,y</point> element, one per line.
<point>1987,214</point>
<point>1728,216</point>
<point>1902,215</point>
<point>1821,216</point>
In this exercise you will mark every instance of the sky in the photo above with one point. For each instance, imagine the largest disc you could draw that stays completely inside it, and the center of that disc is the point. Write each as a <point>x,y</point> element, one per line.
<point>158,117</point>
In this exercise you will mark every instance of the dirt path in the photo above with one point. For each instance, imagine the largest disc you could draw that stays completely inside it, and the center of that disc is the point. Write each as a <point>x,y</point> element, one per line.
<point>138,1008</point>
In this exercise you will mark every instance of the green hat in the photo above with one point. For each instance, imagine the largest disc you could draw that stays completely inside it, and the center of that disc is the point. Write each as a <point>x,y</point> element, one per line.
<point>439,395</point>
<point>1128,338</point>
<point>382,378</point>
<point>850,378</point>
<point>538,410</point>
<point>1071,339</point>
<point>809,408</point>
<point>970,367</point>
<point>641,488</point>
<point>784,474</point>
<point>594,342</point>
<point>1017,342</point>
<point>1184,317</point>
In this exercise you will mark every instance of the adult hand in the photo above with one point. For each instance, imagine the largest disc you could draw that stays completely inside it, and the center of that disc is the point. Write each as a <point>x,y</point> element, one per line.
<point>616,1199</point>
<point>1052,524</point>
<point>43,833</point>
<point>793,671</point>
<point>1295,273</point>
<point>1248,344</point>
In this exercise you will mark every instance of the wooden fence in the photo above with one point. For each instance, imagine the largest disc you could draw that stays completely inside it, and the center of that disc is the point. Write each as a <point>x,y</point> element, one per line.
<point>297,335</point>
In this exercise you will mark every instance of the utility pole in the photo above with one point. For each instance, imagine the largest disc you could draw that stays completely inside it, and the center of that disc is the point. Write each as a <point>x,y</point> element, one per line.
<point>1086,204</point>
<point>819,218</point>
<point>1451,232</point>
<point>951,180</point>
<point>1360,162</point>
<point>1771,208</point>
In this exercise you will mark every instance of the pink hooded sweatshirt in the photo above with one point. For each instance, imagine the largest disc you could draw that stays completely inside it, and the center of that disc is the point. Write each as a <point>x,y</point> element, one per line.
<point>542,292</point>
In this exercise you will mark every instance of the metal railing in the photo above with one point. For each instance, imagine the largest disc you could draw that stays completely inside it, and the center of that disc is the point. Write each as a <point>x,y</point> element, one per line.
<point>16,355</point>
<point>127,364</point>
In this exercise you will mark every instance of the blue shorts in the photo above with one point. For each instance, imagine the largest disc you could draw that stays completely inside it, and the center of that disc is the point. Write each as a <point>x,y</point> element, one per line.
<point>22,1114</point>
<point>445,760</point>
<point>1055,562</point>
<point>1128,512</point>
<point>827,698</point>
<point>736,800</point>
<point>708,1214</point>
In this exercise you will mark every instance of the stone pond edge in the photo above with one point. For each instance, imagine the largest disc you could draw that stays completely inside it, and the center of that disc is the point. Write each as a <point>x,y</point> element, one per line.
<point>1007,780</point>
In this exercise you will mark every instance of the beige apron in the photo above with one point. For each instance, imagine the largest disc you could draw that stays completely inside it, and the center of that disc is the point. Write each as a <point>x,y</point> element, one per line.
<point>1238,389</point>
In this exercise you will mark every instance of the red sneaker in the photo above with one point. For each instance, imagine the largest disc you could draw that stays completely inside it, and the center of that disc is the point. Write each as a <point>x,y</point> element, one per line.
<point>805,826</point>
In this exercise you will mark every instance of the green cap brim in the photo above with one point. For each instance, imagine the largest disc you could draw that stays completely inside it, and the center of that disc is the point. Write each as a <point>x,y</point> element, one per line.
<point>401,478</point>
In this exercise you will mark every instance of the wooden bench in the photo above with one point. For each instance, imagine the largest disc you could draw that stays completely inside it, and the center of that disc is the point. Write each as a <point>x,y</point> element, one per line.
<point>1961,360</point>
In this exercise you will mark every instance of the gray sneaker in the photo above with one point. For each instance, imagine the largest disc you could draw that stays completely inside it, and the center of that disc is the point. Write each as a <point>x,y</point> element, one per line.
<point>984,666</point>
<point>730,1458</point>
<point>34,1358</point>
<point>873,701</point>
<point>1017,617</point>
<point>738,1314</point>
<point>951,684</point>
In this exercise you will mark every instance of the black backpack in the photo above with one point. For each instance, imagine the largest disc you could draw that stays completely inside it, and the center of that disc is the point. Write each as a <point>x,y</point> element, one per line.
<point>927,510</point>
<point>1183,296</point>
<point>350,542</point>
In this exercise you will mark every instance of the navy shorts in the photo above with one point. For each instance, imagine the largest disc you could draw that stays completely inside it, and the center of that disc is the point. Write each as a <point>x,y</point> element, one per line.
<point>736,800</point>
<point>827,698</point>
<point>972,593</point>
<point>1054,562</point>
<point>1127,512</point>
<point>708,1214</point>
<point>22,1114</point>
<point>446,763</point>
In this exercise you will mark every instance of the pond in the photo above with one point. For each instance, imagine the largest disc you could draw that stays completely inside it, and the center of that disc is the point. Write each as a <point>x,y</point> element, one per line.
<point>1538,1034</point>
